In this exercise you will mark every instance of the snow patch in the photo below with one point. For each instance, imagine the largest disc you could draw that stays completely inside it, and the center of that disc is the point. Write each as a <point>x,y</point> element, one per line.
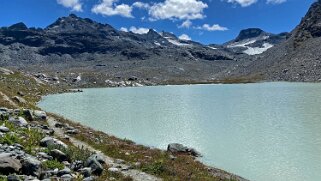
<point>175,42</point>
<point>213,48</point>
<point>241,44</point>
<point>156,43</point>
<point>258,50</point>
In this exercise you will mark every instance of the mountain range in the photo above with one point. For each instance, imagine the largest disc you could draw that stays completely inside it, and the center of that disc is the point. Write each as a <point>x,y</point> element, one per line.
<point>80,51</point>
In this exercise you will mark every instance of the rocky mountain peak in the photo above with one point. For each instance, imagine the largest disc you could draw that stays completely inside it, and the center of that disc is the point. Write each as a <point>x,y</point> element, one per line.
<point>74,24</point>
<point>169,35</point>
<point>250,33</point>
<point>153,35</point>
<point>310,26</point>
<point>18,26</point>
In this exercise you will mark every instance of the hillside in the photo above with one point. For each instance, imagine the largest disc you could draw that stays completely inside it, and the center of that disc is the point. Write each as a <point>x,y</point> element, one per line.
<point>296,59</point>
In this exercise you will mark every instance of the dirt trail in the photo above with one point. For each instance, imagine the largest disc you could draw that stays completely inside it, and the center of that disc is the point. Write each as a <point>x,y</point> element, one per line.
<point>136,175</point>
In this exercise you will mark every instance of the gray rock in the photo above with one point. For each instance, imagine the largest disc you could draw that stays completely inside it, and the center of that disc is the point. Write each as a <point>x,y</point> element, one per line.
<point>86,172</point>
<point>119,161</point>
<point>40,115</point>
<point>64,171</point>
<point>95,163</point>
<point>31,166</point>
<point>28,114</point>
<point>195,152</point>
<point>66,177</point>
<point>59,155</point>
<point>8,164</point>
<point>72,132</point>
<point>97,157</point>
<point>91,178</point>
<point>19,100</point>
<point>176,148</point>
<point>4,129</point>
<point>113,170</point>
<point>20,121</point>
<point>77,165</point>
<point>13,178</point>
<point>44,156</point>
<point>49,141</point>
<point>179,148</point>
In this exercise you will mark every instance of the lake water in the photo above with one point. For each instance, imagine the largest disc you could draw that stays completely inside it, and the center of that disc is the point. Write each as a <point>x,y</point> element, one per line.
<point>264,132</point>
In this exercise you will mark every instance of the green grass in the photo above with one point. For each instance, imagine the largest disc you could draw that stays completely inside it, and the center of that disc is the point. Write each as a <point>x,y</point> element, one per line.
<point>52,164</point>
<point>10,139</point>
<point>72,152</point>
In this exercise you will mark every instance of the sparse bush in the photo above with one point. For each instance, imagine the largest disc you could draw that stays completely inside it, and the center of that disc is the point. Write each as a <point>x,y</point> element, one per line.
<point>9,139</point>
<point>156,168</point>
<point>52,164</point>
<point>72,152</point>
<point>33,138</point>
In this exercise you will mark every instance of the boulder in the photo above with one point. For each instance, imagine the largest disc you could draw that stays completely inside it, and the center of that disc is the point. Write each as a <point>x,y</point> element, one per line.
<point>31,166</point>
<point>58,155</point>
<point>19,100</point>
<point>28,114</point>
<point>40,115</point>
<point>49,141</point>
<point>18,121</point>
<point>97,157</point>
<point>86,172</point>
<point>179,148</point>
<point>95,163</point>
<point>4,129</point>
<point>9,165</point>
<point>64,171</point>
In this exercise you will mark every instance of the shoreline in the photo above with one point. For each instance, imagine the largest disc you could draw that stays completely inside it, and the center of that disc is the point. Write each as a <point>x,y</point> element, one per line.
<point>23,92</point>
<point>218,172</point>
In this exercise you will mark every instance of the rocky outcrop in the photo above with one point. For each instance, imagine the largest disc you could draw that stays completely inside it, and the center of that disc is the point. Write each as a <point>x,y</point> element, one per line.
<point>179,148</point>
<point>9,164</point>
<point>50,141</point>
<point>310,26</point>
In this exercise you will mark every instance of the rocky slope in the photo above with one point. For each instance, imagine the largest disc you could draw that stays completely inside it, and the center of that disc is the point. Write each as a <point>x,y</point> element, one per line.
<point>296,59</point>
<point>72,46</point>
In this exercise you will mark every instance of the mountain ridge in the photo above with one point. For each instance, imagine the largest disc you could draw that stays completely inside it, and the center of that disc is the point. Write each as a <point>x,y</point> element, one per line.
<point>73,45</point>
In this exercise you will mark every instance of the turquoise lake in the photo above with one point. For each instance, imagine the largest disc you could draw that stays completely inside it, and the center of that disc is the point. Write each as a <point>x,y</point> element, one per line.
<point>263,132</point>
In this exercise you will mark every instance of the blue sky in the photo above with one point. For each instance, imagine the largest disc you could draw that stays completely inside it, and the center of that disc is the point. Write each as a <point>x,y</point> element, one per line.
<point>206,21</point>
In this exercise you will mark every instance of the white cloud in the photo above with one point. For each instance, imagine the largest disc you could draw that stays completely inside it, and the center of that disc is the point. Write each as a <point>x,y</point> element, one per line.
<point>184,37</point>
<point>110,8</point>
<point>243,3</point>
<point>138,30</point>
<point>178,9</point>
<point>75,5</point>
<point>214,27</point>
<point>141,5</point>
<point>123,29</point>
<point>275,1</point>
<point>186,24</point>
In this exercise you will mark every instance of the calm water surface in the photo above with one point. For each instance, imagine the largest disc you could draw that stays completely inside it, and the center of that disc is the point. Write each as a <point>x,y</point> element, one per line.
<point>264,132</point>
